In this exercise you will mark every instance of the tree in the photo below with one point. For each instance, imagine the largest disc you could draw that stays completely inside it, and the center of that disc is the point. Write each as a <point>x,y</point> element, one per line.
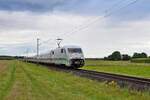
<point>126,57</point>
<point>139,55</point>
<point>144,55</point>
<point>105,58</point>
<point>135,55</point>
<point>109,57</point>
<point>115,56</point>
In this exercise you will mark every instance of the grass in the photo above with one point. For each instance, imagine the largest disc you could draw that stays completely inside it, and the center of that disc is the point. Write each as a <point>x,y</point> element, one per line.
<point>22,81</point>
<point>141,60</point>
<point>119,67</point>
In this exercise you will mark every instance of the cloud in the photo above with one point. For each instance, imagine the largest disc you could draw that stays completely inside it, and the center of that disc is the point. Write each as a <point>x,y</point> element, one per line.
<point>81,7</point>
<point>19,30</point>
<point>29,5</point>
<point>76,6</point>
<point>20,27</point>
<point>101,39</point>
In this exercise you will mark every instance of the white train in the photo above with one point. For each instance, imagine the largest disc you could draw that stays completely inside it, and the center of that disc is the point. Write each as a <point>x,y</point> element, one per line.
<point>70,56</point>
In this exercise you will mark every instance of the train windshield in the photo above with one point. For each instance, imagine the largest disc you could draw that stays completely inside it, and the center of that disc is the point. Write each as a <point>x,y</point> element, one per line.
<point>74,50</point>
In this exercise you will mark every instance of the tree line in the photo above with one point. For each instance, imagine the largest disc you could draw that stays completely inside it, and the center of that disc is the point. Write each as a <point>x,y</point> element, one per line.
<point>115,56</point>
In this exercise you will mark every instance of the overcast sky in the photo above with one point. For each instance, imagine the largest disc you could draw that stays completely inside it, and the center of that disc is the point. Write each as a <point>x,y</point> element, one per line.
<point>78,22</point>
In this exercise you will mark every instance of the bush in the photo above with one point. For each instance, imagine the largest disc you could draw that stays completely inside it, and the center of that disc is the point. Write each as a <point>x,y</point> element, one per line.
<point>6,58</point>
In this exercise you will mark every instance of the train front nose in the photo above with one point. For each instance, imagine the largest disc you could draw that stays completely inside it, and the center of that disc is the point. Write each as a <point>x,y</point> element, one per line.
<point>76,57</point>
<point>77,62</point>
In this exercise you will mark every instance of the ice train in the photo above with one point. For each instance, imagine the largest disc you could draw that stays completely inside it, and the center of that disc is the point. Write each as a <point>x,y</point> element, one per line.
<point>69,56</point>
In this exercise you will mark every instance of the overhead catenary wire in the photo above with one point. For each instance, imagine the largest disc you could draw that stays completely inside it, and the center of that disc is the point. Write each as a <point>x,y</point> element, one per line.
<point>105,11</point>
<point>43,42</point>
<point>108,12</point>
<point>88,20</point>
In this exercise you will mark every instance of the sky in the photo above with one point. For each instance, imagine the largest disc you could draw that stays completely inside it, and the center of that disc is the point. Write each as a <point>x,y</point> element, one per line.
<point>98,26</point>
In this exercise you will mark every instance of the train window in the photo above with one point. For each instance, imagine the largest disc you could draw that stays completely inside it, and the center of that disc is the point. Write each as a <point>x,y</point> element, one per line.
<point>74,50</point>
<point>53,52</point>
<point>62,50</point>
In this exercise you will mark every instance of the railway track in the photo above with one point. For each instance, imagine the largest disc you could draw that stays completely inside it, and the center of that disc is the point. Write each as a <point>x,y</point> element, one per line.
<point>122,80</point>
<point>135,83</point>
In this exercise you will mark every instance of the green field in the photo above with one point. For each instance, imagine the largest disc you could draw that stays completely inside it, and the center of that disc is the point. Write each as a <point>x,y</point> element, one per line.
<point>22,81</point>
<point>141,60</point>
<point>119,67</point>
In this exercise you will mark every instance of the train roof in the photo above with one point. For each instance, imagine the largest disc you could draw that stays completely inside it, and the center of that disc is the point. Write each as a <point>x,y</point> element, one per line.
<point>67,46</point>
<point>71,46</point>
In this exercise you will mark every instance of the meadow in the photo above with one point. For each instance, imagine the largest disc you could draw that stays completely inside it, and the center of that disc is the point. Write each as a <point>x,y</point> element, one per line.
<point>141,60</point>
<point>24,81</point>
<point>119,67</point>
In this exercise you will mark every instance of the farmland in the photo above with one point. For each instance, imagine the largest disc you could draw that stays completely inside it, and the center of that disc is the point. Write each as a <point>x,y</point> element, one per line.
<point>24,81</point>
<point>141,60</point>
<point>119,67</point>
